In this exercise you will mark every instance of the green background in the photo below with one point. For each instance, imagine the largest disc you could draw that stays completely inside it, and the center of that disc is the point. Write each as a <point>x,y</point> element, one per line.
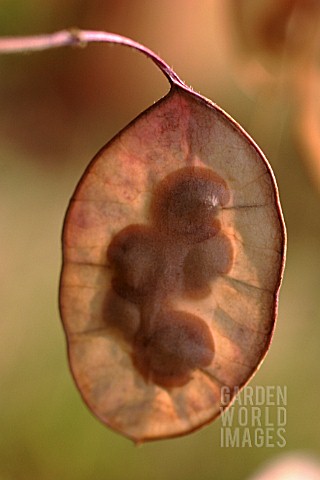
<point>57,109</point>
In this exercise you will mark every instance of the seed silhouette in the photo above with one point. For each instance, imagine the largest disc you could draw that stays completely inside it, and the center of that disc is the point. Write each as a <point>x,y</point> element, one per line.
<point>153,268</point>
<point>185,204</point>
<point>168,351</point>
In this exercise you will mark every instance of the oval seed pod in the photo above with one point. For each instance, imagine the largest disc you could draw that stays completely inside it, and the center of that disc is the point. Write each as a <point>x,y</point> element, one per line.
<point>173,253</point>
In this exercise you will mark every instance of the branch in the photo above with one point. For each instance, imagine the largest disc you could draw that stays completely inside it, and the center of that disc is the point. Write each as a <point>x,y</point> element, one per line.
<point>80,38</point>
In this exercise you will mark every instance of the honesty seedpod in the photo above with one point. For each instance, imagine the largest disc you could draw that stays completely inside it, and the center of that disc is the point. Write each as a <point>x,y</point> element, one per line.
<point>173,253</point>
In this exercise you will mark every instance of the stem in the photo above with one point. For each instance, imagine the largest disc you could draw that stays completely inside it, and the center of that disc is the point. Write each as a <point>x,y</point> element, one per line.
<point>80,38</point>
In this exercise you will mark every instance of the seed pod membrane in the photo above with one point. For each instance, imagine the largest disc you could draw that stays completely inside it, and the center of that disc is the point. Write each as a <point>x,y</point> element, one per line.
<point>173,249</point>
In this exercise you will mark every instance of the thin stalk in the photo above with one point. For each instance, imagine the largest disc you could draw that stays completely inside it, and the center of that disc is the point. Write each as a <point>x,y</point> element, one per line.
<point>80,38</point>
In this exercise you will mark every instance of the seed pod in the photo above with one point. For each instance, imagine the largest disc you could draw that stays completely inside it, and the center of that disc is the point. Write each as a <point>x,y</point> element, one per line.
<point>173,253</point>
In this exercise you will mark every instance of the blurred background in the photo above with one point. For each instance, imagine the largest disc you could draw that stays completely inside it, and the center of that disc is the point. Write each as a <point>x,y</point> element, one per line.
<point>257,60</point>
